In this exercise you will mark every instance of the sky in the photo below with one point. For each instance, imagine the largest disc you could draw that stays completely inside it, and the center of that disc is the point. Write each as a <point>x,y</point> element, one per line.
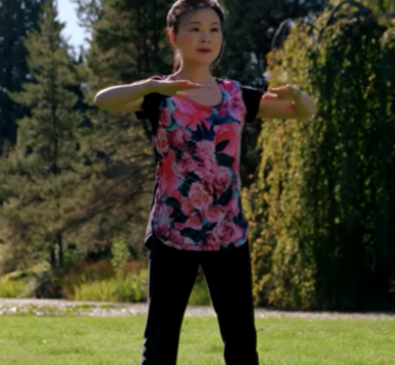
<point>68,14</point>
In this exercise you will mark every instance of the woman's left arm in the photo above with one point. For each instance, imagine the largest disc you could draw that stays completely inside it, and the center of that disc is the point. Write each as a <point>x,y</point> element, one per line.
<point>286,102</point>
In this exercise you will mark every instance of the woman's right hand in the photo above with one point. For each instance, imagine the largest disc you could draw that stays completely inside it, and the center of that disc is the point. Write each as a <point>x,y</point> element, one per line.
<point>173,87</point>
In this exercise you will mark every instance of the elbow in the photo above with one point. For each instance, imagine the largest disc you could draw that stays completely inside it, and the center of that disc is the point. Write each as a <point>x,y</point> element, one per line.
<point>310,112</point>
<point>313,109</point>
<point>307,114</point>
<point>99,102</point>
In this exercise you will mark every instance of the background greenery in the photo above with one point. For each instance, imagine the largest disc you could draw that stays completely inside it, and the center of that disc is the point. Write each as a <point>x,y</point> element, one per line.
<point>76,183</point>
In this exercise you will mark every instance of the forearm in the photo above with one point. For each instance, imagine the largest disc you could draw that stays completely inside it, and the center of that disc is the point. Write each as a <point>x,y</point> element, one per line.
<point>122,94</point>
<point>304,105</point>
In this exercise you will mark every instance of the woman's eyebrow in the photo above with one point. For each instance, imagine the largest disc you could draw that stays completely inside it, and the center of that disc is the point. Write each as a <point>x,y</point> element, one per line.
<point>196,22</point>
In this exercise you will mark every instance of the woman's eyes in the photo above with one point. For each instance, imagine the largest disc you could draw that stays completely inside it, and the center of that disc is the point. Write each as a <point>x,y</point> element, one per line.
<point>197,29</point>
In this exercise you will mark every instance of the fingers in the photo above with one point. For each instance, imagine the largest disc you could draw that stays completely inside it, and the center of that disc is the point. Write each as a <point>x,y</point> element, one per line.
<point>182,94</point>
<point>185,84</point>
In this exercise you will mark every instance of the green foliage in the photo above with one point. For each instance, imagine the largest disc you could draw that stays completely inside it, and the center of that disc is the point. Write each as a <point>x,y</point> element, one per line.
<point>43,173</point>
<point>200,294</point>
<point>120,255</point>
<point>17,19</point>
<point>126,288</point>
<point>12,288</point>
<point>322,207</point>
<point>82,272</point>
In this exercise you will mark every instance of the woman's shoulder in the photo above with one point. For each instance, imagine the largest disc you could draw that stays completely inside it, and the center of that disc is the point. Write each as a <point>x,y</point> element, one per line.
<point>227,81</point>
<point>229,85</point>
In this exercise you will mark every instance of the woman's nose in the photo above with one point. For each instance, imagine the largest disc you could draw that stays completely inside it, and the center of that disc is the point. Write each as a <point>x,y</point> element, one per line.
<point>205,37</point>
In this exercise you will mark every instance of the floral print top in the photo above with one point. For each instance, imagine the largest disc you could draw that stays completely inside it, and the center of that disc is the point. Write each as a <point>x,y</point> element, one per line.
<point>197,202</point>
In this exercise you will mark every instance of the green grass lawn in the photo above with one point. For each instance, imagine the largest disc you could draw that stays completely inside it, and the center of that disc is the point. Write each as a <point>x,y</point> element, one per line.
<point>29,340</point>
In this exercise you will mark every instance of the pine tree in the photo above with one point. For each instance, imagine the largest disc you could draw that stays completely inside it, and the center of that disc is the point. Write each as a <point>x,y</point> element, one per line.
<point>17,18</point>
<point>40,176</point>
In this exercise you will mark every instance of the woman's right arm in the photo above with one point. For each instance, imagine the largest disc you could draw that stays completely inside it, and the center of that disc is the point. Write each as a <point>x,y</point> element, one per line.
<point>124,98</point>
<point>129,98</point>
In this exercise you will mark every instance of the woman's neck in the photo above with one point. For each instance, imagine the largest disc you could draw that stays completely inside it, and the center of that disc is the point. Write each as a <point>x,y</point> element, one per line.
<point>194,74</point>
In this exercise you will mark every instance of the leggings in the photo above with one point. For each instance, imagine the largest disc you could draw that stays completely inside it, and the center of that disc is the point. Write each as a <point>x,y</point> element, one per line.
<point>172,274</point>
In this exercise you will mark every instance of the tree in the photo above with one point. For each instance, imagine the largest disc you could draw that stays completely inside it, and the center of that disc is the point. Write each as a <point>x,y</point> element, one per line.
<point>322,210</point>
<point>17,19</point>
<point>42,173</point>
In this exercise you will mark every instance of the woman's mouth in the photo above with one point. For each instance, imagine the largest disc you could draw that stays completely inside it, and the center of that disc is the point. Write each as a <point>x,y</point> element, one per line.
<point>204,50</point>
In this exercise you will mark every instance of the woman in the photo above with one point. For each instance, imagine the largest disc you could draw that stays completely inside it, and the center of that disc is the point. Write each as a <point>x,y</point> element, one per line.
<point>196,217</point>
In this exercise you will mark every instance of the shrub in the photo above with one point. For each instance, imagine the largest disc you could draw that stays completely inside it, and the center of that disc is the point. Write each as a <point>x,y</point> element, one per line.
<point>126,288</point>
<point>13,288</point>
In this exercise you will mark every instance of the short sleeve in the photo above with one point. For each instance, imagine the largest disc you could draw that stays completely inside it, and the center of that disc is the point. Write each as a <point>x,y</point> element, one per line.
<point>151,104</point>
<point>150,107</point>
<point>252,98</point>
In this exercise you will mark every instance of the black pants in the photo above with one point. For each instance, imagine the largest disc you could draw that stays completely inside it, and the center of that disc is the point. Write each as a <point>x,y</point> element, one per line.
<point>172,274</point>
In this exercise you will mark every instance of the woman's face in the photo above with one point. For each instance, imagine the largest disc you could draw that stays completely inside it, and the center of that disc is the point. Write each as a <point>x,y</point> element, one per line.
<point>199,38</point>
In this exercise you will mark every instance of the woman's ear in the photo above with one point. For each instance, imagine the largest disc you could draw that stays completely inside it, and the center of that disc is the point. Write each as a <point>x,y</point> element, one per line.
<point>172,38</point>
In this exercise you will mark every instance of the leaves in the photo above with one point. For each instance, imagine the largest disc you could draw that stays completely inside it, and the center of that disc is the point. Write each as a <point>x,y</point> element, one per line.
<point>318,213</point>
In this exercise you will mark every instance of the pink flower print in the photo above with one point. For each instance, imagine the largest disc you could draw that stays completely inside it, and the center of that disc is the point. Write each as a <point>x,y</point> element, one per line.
<point>228,86</point>
<point>162,230</point>
<point>236,103</point>
<point>162,143</point>
<point>164,117</point>
<point>200,196</point>
<point>214,213</point>
<point>205,150</point>
<point>187,207</point>
<point>163,210</point>
<point>237,110</point>
<point>189,116</point>
<point>177,138</point>
<point>206,171</point>
<point>210,239</point>
<point>175,236</point>
<point>223,111</point>
<point>238,233</point>
<point>167,180</point>
<point>185,165</point>
<point>233,207</point>
<point>232,134</point>
<point>194,222</point>
<point>222,180</point>
<point>224,232</point>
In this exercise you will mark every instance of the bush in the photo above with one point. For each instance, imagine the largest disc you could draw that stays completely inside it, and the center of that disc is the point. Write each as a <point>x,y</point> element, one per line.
<point>322,208</point>
<point>85,273</point>
<point>128,288</point>
<point>13,288</point>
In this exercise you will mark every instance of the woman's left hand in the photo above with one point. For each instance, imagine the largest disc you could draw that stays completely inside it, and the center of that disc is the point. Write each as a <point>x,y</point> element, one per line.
<point>287,92</point>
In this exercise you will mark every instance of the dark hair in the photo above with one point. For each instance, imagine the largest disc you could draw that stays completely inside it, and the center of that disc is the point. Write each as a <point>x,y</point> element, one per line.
<point>183,7</point>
